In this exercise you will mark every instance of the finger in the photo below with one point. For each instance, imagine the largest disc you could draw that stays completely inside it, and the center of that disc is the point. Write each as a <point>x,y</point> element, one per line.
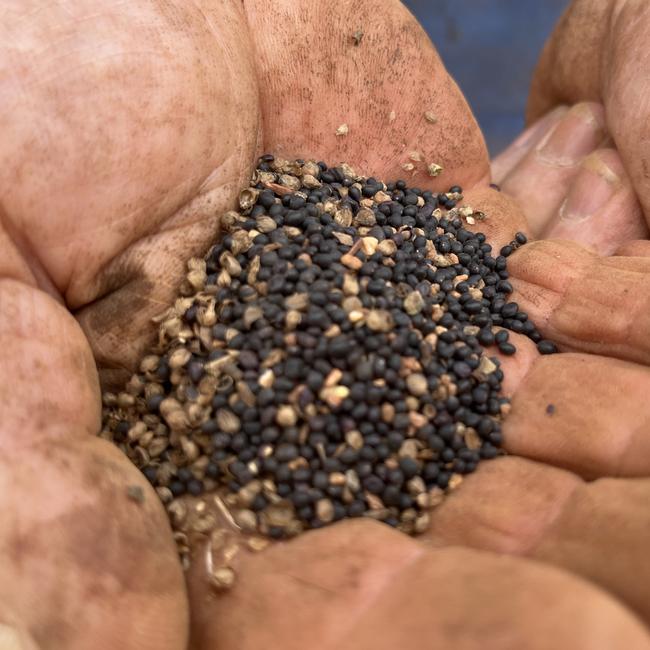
<point>508,159</point>
<point>639,248</point>
<point>504,217</point>
<point>588,57</point>
<point>584,302</point>
<point>515,367</point>
<point>59,486</point>
<point>512,505</point>
<point>601,210</point>
<point>544,175</point>
<point>397,134</point>
<point>507,505</point>
<point>362,585</point>
<point>584,413</point>
<point>569,67</point>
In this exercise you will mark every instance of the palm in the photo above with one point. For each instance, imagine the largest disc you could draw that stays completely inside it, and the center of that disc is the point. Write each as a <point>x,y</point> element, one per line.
<point>126,177</point>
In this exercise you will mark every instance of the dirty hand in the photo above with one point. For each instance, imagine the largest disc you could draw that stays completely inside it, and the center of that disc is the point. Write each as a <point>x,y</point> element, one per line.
<point>127,131</point>
<point>599,52</point>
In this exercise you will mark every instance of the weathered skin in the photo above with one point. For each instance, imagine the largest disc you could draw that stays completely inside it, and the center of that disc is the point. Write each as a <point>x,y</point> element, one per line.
<point>127,129</point>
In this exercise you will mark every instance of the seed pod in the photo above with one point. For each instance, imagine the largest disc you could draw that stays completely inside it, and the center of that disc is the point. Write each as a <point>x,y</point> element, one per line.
<point>223,278</point>
<point>241,242</point>
<point>387,247</point>
<point>227,421</point>
<point>246,520</point>
<point>365,217</point>
<point>222,578</point>
<point>247,198</point>
<point>310,181</point>
<point>344,238</point>
<point>179,358</point>
<point>266,224</point>
<point>230,264</point>
<point>343,217</point>
<point>291,182</point>
<point>190,448</point>
<point>157,447</point>
<point>177,511</point>
<point>369,245</point>
<point>207,315</point>
<point>228,220</point>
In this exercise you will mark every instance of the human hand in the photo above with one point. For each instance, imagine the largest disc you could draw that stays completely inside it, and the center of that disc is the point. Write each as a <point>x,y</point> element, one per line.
<point>580,412</point>
<point>137,151</point>
<point>599,52</point>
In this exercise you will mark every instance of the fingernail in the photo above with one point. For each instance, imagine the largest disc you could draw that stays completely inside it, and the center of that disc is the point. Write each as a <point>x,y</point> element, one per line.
<point>535,132</point>
<point>575,136</point>
<point>592,189</point>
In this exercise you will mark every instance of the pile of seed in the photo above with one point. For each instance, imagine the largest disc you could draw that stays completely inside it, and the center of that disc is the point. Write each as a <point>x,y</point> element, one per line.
<point>326,359</point>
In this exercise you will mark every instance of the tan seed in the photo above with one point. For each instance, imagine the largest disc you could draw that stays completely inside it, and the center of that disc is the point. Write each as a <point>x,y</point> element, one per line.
<point>354,439</point>
<point>414,303</point>
<point>298,301</point>
<point>365,217</point>
<point>257,544</point>
<point>228,422</point>
<point>222,578</point>
<point>325,510</point>
<point>409,449</point>
<point>369,245</point>
<point>351,262</point>
<point>343,217</point>
<point>417,384</point>
<point>380,320</point>
<point>286,416</point>
<point>266,224</point>
<point>246,520</point>
<point>387,247</point>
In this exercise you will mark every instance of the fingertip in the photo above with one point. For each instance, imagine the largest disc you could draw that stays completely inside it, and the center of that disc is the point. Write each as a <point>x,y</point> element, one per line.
<point>503,216</point>
<point>515,367</point>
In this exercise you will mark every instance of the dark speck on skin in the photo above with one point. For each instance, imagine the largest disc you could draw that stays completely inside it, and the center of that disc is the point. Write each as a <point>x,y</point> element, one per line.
<point>550,409</point>
<point>135,493</point>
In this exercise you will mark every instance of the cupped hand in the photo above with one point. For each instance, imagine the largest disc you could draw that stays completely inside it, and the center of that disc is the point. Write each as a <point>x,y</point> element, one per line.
<point>128,130</point>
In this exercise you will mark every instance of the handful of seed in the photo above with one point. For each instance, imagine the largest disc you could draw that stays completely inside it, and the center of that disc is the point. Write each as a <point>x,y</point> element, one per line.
<point>326,359</point>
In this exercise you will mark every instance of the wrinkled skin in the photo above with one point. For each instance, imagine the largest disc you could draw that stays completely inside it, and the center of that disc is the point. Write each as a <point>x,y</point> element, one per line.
<point>127,130</point>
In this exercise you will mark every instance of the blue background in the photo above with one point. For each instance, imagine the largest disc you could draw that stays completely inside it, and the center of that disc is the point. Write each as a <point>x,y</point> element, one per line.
<point>490,47</point>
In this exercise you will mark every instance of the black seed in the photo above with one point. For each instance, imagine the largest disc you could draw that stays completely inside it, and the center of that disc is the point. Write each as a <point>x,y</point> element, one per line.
<point>546,347</point>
